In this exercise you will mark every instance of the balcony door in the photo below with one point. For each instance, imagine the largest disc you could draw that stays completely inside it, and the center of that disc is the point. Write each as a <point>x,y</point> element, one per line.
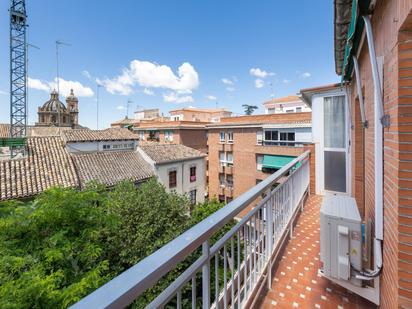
<point>335,147</point>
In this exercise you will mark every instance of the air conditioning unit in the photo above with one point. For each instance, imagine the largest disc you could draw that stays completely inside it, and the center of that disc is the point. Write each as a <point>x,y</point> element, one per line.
<point>340,238</point>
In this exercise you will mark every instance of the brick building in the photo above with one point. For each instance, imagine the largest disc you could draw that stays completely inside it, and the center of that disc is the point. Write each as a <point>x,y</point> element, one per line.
<point>373,44</point>
<point>189,133</point>
<point>244,150</point>
<point>199,114</point>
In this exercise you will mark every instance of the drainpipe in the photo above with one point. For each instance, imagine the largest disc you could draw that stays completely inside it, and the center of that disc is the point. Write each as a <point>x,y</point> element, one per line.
<point>378,149</point>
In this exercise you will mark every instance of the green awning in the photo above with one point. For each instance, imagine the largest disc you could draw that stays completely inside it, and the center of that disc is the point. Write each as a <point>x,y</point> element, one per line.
<point>276,162</point>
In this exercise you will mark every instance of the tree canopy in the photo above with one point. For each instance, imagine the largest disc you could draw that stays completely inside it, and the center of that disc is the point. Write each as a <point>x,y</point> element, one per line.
<point>249,109</point>
<point>65,243</point>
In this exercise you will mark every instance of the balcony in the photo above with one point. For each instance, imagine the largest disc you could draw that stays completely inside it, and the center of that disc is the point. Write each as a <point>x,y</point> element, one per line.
<point>229,169</point>
<point>229,192</point>
<point>237,269</point>
<point>221,189</point>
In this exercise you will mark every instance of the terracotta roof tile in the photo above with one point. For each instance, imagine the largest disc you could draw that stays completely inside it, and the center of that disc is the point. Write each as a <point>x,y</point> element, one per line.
<point>161,153</point>
<point>83,135</point>
<point>289,98</point>
<point>47,164</point>
<point>110,168</point>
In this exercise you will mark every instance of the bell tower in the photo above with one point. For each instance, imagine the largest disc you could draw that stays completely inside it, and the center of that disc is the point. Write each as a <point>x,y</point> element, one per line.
<point>72,104</point>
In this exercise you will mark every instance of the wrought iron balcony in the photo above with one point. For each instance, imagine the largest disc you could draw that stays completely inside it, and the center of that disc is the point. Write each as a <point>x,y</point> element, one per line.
<point>230,270</point>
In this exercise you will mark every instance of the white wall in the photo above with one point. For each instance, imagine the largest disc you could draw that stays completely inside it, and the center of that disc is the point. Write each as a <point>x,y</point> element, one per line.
<point>98,146</point>
<point>183,185</point>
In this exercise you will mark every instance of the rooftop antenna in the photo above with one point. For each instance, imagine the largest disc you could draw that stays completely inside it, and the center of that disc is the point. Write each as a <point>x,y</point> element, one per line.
<point>98,86</point>
<point>58,44</point>
<point>127,107</point>
<point>18,77</point>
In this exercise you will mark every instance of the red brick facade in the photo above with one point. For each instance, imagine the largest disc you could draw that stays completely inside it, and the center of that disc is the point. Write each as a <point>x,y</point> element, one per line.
<point>392,28</point>
<point>245,149</point>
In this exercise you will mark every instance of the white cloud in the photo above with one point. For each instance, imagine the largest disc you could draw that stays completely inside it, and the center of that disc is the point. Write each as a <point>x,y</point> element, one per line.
<point>286,81</point>
<point>38,84</point>
<point>231,89</point>
<point>257,72</point>
<point>148,91</point>
<point>259,83</point>
<point>3,92</point>
<point>211,97</point>
<point>153,75</point>
<point>64,85</point>
<point>86,74</point>
<point>175,98</point>
<point>305,75</point>
<point>120,107</point>
<point>227,81</point>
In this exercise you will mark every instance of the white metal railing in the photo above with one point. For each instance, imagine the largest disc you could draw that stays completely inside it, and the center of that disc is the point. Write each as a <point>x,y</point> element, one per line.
<point>229,272</point>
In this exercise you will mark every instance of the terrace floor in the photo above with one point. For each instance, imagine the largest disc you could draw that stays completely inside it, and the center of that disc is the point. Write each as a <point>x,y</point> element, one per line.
<point>296,283</point>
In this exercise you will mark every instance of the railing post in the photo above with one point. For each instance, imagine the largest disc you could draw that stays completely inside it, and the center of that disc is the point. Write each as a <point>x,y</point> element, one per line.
<point>206,276</point>
<point>291,206</point>
<point>269,211</point>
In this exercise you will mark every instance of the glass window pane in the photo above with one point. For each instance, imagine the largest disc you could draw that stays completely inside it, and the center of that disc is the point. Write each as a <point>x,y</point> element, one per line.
<point>268,136</point>
<point>335,171</point>
<point>334,122</point>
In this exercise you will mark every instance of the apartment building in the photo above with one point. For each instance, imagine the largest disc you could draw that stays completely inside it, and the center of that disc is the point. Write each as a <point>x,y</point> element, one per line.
<point>189,133</point>
<point>288,104</point>
<point>199,114</point>
<point>245,150</point>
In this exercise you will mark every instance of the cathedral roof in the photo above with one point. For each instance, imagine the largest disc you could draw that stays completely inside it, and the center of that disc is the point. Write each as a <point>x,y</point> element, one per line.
<point>71,96</point>
<point>54,104</point>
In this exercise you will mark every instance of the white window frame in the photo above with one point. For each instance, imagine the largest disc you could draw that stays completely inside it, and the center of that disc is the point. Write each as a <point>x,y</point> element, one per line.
<point>259,137</point>
<point>230,137</point>
<point>222,136</point>
<point>224,161</point>
<point>259,162</point>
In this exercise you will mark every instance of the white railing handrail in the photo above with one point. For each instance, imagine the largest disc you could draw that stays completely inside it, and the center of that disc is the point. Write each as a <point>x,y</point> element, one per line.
<point>126,287</point>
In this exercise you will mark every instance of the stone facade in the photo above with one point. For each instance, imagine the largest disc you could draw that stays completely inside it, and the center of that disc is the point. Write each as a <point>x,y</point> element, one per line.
<point>55,113</point>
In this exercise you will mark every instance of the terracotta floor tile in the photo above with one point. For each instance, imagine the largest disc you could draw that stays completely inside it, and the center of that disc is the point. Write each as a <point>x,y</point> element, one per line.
<point>297,284</point>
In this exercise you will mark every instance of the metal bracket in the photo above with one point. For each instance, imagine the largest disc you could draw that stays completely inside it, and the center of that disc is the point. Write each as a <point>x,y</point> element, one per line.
<point>386,120</point>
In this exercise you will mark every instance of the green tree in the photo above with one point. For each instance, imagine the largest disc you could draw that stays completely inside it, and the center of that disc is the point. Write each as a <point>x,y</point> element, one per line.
<point>249,109</point>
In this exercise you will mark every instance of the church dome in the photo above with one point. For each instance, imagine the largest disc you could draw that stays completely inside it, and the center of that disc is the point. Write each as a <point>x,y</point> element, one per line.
<point>54,104</point>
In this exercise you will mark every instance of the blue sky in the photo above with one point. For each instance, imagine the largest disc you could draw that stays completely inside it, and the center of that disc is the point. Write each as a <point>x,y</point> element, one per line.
<point>171,54</point>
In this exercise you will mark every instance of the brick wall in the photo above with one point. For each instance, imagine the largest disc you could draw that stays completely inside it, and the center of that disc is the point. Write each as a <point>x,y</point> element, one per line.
<point>244,150</point>
<point>393,40</point>
<point>269,118</point>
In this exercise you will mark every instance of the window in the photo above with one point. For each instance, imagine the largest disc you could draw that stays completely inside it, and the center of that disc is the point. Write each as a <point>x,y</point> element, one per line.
<point>229,181</point>
<point>106,147</point>
<point>221,198</point>
<point>298,109</point>
<point>289,110</point>
<point>154,135</point>
<point>192,197</point>
<point>229,158</point>
<point>193,174</point>
<point>230,137</point>
<point>287,136</point>
<point>169,136</point>
<point>271,135</point>
<point>222,180</point>
<point>259,162</point>
<point>172,179</point>
<point>222,136</point>
<point>229,199</point>
<point>226,159</point>
<point>259,137</point>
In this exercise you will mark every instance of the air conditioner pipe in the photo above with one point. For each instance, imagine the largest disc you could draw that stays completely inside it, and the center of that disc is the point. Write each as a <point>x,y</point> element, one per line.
<point>378,151</point>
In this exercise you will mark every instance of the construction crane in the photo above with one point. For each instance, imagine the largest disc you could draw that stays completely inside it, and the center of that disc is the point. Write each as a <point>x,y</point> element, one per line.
<point>18,78</point>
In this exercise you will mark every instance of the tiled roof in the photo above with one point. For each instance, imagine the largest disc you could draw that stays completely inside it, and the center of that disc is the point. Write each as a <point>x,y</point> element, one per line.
<point>47,164</point>
<point>83,135</point>
<point>291,118</point>
<point>161,153</point>
<point>110,168</point>
<point>201,110</point>
<point>287,99</point>
<point>34,131</point>
<point>178,124</point>
<point>4,130</point>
